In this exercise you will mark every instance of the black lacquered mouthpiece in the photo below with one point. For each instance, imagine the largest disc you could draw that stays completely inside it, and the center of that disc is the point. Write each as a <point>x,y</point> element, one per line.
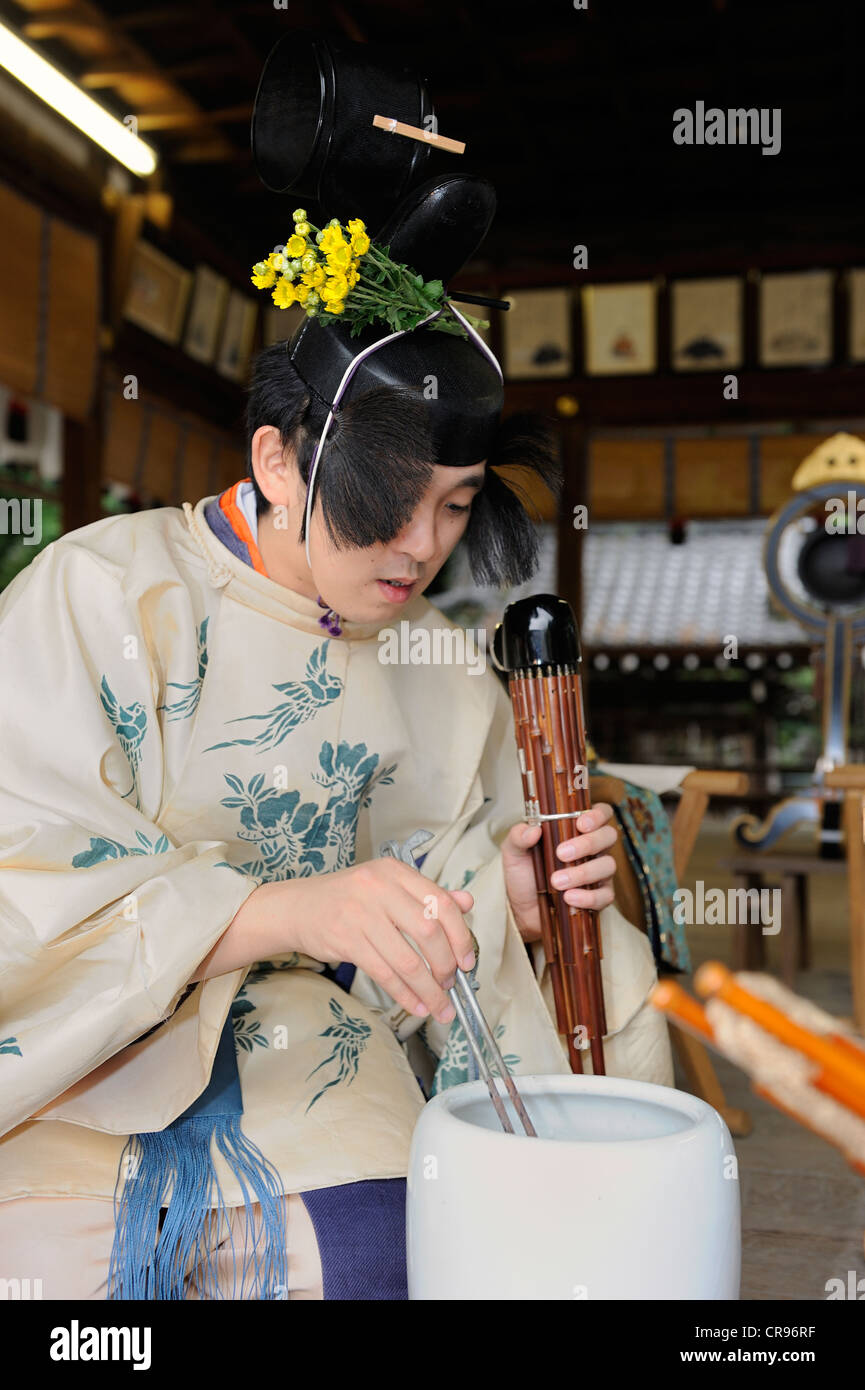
<point>537,631</point>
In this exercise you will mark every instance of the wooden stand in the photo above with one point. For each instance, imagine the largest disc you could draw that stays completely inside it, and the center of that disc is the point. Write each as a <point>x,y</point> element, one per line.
<point>851,780</point>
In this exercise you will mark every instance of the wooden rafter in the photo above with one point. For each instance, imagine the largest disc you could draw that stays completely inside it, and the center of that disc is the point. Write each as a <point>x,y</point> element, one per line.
<point>183,120</point>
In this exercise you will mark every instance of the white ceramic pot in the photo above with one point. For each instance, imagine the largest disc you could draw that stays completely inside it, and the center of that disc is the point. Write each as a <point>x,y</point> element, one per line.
<point>630,1192</point>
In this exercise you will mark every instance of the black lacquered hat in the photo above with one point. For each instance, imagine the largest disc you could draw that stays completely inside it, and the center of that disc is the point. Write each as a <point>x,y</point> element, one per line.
<point>460,386</point>
<point>440,225</point>
<point>313,133</point>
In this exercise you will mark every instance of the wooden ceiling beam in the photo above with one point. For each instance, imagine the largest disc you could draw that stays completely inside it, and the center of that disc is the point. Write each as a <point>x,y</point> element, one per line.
<point>186,120</point>
<point>53,24</point>
<point>208,152</point>
<point>159,19</point>
<point>113,75</point>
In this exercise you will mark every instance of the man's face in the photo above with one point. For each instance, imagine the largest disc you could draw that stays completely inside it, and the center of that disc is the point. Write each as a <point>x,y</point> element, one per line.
<point>355,583</point>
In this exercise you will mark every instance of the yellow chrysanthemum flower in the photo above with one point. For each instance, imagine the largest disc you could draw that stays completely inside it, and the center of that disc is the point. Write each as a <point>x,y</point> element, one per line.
<point>340,257</point>
<point>352,277</point>
<point>335,306</point>
<point>285,294</point>
<point>315,278</point>
<point>263,275</point>
<point>332,237</point>
<point>355,226</point>
<point>334,288</point>
<point>302,292</point>
<point>360,243</point>
<point>296,245</point>
<point>277,261</point>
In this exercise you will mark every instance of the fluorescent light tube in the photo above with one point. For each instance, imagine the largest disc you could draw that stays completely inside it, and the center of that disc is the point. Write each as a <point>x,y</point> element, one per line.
<point>29,67</point>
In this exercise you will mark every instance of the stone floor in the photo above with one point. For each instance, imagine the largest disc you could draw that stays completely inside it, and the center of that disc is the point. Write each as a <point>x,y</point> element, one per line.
<point>803,1208</point>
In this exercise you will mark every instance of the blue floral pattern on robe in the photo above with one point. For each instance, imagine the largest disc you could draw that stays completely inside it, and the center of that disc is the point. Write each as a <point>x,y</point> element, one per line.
<point>102,848</point>
<point>129,723</point>
<point>301,701</point>
<point>350,1037</point>
<point>185,704</point>
<point>247,1031</point>
<point>296,838</point>
<point>453,1068</point>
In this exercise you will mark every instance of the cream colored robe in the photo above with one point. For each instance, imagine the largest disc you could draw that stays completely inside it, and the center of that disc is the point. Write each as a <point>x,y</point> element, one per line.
<point>176,729</point>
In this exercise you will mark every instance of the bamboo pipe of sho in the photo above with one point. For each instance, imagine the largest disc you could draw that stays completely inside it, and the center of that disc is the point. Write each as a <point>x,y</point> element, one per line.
<point>537,645</point>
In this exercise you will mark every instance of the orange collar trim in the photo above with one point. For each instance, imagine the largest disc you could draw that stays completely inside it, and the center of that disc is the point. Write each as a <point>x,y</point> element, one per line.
<point>240,526</point>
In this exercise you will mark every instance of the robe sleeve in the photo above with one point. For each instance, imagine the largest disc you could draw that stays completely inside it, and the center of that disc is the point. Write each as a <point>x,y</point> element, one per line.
<point>102,918</point>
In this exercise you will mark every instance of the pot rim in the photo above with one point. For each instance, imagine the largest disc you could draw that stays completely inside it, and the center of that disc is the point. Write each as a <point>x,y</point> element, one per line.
<point>691,1108</point>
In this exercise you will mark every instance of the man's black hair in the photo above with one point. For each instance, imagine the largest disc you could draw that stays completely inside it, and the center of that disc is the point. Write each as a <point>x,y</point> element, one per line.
<point>378,460</point>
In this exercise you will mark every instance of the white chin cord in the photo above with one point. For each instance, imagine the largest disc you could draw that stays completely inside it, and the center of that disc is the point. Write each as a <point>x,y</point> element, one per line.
<point>340,392</point>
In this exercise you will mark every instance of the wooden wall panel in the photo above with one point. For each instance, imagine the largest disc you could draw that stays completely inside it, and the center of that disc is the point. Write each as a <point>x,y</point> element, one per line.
<point>712,477</point>
<point>230,465</point>
<point>20,224</point>
<point>198,459</point>
<point>123,426</point>
<point>626,479</point>
<point>161,469</point>
<point>780,456</point>
<point>72,320</point>
<point>165,453</point>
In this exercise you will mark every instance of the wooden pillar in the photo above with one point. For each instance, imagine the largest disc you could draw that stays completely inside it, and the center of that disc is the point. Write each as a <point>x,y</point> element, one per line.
<point>82,467</point>
<point>574,493</point>
<point>854,814</point>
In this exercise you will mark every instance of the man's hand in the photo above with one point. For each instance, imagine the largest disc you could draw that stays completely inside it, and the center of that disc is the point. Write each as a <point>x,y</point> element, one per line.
<point>363,914</point>
<point>578,868</point>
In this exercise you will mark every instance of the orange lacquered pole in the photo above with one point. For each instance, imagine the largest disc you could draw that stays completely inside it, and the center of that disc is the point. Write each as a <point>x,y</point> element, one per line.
<point>671,999</point>
<point>843,1076</point>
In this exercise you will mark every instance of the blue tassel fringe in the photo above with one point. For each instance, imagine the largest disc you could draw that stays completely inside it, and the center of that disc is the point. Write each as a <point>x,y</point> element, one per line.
<point>176,1163</point>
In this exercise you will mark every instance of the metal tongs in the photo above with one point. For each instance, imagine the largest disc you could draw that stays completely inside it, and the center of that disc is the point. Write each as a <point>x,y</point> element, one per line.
<point>467,1008</point>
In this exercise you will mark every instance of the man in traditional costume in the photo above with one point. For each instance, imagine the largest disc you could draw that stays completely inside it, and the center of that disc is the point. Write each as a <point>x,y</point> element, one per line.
<point>240,853</point>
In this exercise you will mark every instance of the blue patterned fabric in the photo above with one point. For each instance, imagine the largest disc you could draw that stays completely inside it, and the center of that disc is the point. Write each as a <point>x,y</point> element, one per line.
<point>648,842</point>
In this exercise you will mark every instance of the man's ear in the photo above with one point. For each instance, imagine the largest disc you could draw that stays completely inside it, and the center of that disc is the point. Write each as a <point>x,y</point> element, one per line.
<point>275,467</point>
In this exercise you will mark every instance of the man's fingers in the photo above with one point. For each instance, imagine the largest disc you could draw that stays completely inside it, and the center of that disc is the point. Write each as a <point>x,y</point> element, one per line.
<point>592,898</point>
<point>426,927</point>
<point>522,835</point>
<point>375,965</point>
<point>591,871</point>
<point>595,817</point>
<point>583,846</point>
<point>439,906</point>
